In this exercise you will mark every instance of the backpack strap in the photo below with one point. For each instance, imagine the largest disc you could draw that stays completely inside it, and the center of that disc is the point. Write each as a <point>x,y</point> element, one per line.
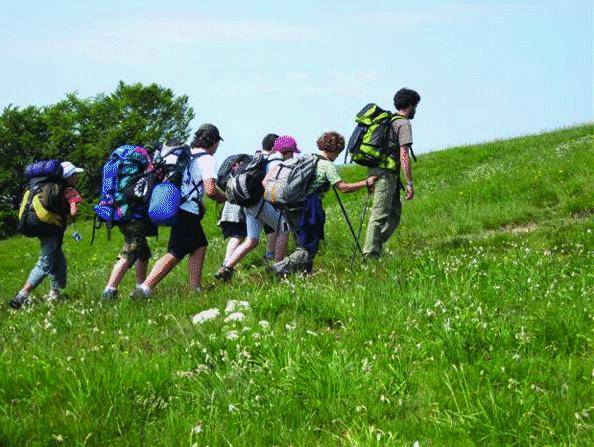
<point>195,185</point>
<point>318,158</point>
<point>396,117</point>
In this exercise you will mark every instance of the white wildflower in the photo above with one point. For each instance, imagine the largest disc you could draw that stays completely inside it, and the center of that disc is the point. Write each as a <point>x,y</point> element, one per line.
<point>235,316</point>
<point>205,315</point>
<point>231,408</point>
<point>232,335</point>
<point>266,325</point>
<point>198,428</point>
<point>291,326</point>
<point>234,305</point>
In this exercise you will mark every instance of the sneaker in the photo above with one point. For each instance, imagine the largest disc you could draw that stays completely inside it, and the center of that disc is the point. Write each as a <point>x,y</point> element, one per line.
<point>109,294</point>
<point>52,295</point>
<point>18,301</point>
<point>269,256</point>
<point>224,273</point>
<point>139,293</point>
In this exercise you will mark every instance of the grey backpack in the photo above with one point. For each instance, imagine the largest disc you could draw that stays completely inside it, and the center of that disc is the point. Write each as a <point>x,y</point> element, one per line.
<point>288,186</point>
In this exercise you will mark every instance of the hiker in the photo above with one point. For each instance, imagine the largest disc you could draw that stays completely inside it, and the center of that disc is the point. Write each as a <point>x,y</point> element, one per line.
<point>47,219</point>
<point>307,222</point>
<point>387,207</point>
<point>187,237</point>
<point>123,204</point>
<point>261,214</point>
<point>232,220</point>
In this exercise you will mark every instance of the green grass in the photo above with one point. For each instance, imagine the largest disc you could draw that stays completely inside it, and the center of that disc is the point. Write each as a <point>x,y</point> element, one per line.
<point>476,328</point>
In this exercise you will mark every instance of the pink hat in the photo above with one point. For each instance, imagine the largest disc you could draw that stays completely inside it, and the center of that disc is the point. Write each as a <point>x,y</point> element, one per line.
<point>285,144</point>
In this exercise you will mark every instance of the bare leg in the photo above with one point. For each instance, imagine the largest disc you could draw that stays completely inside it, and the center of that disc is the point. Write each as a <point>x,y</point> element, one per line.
<point>241,252</point>
<point>160,270</point>
<point>141,269</point>
<point>232,245</point>
<point>195,264</point>
<point>117,273</point>
<point>27,288</point>
<point>280,248</point>
<point>271,244</point>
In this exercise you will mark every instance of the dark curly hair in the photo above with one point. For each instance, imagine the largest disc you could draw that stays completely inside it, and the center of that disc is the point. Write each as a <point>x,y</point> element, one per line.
<point>331,142</point>
<point>406,97</point>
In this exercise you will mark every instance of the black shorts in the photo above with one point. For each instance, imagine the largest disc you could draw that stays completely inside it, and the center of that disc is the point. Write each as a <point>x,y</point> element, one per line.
<point>187,235</point>
<point>234,229</point>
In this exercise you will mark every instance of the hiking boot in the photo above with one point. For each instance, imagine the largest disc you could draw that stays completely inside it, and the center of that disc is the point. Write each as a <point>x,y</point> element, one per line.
<point>281,268</point>
<point>18,301</point>
<point>224,273</point>
<point>109,294</point>
<point>308,268</point>
<point>371,256</point>
<point>52,295</point>
<point>139,293</point>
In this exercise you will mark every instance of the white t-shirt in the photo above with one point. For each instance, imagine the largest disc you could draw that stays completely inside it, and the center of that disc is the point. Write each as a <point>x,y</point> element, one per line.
<point>202,166</point>
<point>273,159</point>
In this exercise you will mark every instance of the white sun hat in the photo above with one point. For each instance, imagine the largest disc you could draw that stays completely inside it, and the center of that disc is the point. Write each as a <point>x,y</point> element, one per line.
<point>68,169</point>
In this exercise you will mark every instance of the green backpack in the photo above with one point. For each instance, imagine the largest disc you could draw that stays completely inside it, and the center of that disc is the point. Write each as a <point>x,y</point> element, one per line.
<point>369,144</point>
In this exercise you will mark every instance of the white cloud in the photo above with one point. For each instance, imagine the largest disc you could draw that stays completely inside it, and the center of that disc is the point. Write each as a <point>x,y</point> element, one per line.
<point>149,36</point>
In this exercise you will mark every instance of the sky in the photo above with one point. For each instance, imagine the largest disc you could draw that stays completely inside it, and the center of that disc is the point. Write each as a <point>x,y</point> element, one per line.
<point>484,69</point>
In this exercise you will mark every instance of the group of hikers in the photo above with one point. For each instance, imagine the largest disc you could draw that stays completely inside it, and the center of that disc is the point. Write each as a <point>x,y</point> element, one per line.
<point>273,190</point>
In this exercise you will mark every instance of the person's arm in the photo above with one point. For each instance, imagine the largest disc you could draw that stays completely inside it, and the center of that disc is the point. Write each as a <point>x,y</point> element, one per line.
<point>73,198</point>
<point>352,187</point>
<point>271,172</point>
<point>213,192</point>
<point>405,162</point>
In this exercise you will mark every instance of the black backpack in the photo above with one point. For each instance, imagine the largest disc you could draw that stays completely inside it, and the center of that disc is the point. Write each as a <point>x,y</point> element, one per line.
<point>244,186</point>
<point>42,211</point>
<point>171,160</point>
<point>228,167</point>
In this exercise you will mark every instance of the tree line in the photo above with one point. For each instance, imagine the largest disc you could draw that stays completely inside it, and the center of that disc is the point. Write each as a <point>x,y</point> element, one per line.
<point>83,131</point>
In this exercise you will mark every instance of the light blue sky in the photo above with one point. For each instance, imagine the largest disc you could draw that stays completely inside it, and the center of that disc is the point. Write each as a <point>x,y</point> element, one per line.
<point>485,69</point>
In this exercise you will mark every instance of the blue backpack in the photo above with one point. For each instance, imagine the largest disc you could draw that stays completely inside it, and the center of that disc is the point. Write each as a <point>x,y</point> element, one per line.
<point>166,198</point>
<point>164,205</point>
<point>124,186</point>
<point>46,168</point>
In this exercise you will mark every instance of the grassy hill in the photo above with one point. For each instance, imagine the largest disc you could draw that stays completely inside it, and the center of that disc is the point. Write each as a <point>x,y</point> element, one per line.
<point>476,328</point>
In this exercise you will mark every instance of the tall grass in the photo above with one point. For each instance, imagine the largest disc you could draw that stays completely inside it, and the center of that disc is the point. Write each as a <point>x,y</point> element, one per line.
<point>475,328</point>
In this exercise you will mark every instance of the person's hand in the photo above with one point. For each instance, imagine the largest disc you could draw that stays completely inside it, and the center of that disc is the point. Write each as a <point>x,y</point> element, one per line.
<point>371,183</point>
<point>73,210</point>
<point>410,192</point>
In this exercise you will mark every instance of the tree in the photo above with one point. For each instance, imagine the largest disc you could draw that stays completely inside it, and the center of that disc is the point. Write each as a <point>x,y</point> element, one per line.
<point>84,131</point>
<point>22,137</point>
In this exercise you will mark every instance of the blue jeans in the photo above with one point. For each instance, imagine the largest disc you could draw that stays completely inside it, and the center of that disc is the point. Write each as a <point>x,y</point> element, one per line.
<point>51,262</point>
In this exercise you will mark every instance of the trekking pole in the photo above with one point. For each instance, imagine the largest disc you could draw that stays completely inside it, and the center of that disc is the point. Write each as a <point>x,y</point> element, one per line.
<point>348,221</point>
<point>361,226</point>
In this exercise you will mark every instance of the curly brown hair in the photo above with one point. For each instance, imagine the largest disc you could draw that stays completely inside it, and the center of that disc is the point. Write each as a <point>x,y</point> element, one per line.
<point>331,142</point>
